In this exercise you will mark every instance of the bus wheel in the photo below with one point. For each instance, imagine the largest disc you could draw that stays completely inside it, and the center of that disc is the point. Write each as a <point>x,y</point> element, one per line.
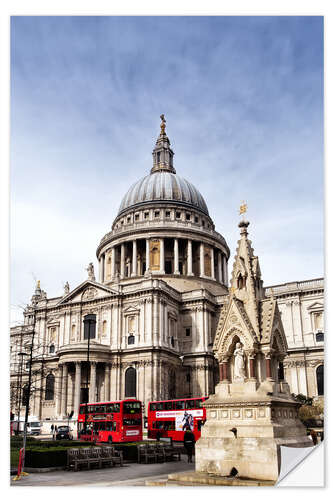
<point>110,439</point>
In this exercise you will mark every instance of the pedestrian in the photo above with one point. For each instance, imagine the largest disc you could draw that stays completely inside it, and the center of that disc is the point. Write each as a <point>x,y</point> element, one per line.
<point>52,431</point>
<point>189,443</point>
<point>314,436</point>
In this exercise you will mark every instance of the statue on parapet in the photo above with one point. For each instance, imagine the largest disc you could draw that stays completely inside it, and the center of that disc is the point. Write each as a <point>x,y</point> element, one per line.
<point>91,272</point>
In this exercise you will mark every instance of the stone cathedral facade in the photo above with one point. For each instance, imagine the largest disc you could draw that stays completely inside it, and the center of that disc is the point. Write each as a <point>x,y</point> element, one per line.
<point>152,311</point>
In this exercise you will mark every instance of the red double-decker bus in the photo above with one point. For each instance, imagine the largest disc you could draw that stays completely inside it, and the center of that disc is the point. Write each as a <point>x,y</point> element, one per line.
<point>170,418</point>
<point>111,421</point>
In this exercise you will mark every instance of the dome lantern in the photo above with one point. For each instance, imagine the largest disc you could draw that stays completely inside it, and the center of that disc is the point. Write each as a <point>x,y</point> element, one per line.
<point>163,154</point>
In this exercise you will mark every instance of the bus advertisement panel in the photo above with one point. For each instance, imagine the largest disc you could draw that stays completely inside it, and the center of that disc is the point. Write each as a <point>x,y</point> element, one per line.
<point>171,417</point>
<point>111,421</point>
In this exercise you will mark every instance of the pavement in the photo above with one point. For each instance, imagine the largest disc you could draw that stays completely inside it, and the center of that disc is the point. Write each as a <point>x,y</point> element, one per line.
<point>131,474</point>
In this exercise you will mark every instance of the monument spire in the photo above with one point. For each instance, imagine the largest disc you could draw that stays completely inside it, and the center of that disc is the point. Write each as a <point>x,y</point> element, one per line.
<point>163,154</point>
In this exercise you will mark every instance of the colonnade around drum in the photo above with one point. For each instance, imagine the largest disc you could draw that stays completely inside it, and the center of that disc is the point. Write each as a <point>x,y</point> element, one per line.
<point>175,256</point>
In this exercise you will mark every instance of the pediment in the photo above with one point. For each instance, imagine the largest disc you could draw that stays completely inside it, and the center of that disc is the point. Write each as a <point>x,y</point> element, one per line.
<point>131,310</point>
<point>86,291</point>
<point>316,306</point>
<point>234,321</point>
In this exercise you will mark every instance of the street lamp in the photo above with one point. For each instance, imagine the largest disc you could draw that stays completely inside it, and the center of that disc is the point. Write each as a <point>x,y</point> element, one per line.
<point>19,388</point>
<point>89,328</point>
<point>28,393</point>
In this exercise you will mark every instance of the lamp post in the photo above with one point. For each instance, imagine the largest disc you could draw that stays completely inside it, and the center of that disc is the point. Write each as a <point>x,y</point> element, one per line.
<point>28,394</point>
<point>88,321</point>
<point>21,354</point>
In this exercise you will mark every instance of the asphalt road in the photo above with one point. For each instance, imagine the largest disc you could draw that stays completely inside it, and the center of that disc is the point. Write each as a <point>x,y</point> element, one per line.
<point>131,474</point>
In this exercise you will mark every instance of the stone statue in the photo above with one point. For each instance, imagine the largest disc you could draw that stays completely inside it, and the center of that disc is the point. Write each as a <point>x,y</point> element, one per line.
<point>66,288</point>
<point>91,272</point>
<point>239,369</point>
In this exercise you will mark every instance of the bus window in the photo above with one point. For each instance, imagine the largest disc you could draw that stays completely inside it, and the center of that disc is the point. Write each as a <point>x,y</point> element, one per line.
<point>198,403</point>
<point>180,405</point>
<point>169,425</point>
<point>134,407</point>
<point>168,405</point>
<point>159,406</point>
<point>190,404</point>
<point>152,406</point>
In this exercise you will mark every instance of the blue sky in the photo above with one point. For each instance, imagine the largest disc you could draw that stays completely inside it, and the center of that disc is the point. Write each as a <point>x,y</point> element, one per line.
<point>243,99</point>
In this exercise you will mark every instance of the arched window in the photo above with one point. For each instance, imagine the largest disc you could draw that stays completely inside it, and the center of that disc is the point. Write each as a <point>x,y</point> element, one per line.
<point>130,383</point>
<point>240,282</point>
<point>131,339</point>
<point>49,387</point>
<point>51,349</point>
<point>320,380</point>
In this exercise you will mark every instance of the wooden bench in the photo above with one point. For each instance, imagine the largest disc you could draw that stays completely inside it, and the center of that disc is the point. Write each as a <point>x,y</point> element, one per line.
<point>146,452</point>
<point>170,452</point>
<point>98,456</point>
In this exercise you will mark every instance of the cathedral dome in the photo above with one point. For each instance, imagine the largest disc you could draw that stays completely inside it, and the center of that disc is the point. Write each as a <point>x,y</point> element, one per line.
<point>163,185</point>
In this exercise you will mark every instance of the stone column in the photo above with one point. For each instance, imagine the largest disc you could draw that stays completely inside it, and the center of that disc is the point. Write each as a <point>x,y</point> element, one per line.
<point>122,260</point>
<point>134,259</point>
<point>251,356</point>
<point>212,272</point>
<point>100,263</point>
<point>103,267</point>
<point>147,255</point>
<point>107,382</point>
<point>189,258</point>
<point>219,266</point>
<point>268,366</point>
<point>58,390</point>
<point>162,269</point>
<point>176,256</point>
<point>77,393</point>
<point>225,270</point>
<point>202,263</point>
<point>113,262</point>
<point>64,389</point>
<point>221,372</point>
<point>92,385</point>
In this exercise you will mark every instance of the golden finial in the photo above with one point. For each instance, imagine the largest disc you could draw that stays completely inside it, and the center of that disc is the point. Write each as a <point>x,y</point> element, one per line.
<point>243,208</point>
<point>38,284</point>
<point>163,124</point>
<point>232,290</point>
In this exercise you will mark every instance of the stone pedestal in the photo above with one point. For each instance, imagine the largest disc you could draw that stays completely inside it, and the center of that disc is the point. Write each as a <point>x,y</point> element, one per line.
<point>246,425</point>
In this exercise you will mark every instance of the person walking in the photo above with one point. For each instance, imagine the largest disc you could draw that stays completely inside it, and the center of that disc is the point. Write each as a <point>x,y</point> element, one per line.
<point>52,431</point>
<point>314,436</point>
<point>189,443</point>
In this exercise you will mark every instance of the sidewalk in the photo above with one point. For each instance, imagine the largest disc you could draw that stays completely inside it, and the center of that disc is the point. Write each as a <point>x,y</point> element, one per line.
<point>130,475</point>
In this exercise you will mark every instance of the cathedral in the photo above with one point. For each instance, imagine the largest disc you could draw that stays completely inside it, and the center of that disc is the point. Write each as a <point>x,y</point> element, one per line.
<point>144,324</point>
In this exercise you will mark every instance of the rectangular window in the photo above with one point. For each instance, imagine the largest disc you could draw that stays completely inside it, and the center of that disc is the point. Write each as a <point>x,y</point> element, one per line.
<point>188,216</point>
<point>189,404</point>
<point>167,213</point>
<point>188,332</point>
<point>196,219</point>
<point>146,215</point>
<point>178,214</point>
<point>128,219</point>
<point>180,405</point>
<point>168,405</point>
<point>157,213</point>
<point>136,216</point>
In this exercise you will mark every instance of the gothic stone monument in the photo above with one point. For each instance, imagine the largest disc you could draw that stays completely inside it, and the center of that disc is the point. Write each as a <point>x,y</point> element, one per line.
<point>252,412</point>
